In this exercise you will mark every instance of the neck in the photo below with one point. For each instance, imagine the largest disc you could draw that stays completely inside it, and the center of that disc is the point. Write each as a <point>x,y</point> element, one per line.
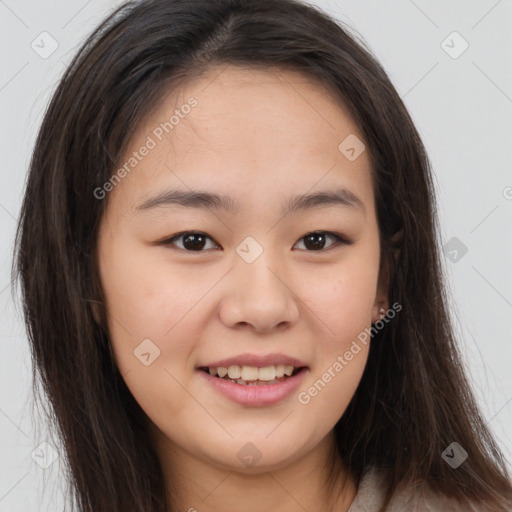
<point>316,481</point>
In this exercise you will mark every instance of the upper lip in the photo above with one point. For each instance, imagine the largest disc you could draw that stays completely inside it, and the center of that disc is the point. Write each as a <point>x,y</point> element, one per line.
<point>256,360</point>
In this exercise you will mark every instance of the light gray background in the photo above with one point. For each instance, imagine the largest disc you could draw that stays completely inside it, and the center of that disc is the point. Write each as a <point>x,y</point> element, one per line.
<point>461,106</point>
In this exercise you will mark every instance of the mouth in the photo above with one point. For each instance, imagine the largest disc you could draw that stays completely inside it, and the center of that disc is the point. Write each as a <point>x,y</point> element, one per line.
<point>254,380</point>
<point>253,375</point>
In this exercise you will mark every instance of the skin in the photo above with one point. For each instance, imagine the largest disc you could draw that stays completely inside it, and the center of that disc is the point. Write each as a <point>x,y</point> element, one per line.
<point>259,137</point>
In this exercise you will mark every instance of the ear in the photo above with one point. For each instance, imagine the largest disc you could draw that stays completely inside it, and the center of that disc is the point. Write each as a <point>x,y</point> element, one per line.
<point>95,308</point>
<point>97,304</point>
<point>387,269</point>
<point>97,312</point>
<point>381,304</point>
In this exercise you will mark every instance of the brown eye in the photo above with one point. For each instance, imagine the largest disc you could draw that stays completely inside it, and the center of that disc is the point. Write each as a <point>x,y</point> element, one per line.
<point>316,240</point>
<point>191,241</point>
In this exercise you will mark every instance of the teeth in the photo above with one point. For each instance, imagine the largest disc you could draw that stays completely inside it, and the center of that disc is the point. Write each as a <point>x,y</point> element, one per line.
<point>242,374</point>
<point>249,373</point>
<point>234,372</point>
<point>288,370</point>
<point>267,373</point>
<point>280,370</point>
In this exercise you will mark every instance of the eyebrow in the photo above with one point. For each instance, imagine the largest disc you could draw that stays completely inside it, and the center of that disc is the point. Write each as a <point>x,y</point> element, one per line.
<point>209,200</point>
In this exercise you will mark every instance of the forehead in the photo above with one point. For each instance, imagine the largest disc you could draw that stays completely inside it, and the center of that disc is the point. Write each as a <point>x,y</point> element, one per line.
<point>244,133</point>
<point>238,101</point>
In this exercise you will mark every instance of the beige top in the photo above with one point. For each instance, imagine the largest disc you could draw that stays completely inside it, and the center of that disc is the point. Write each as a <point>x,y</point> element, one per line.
<point>370,495</point>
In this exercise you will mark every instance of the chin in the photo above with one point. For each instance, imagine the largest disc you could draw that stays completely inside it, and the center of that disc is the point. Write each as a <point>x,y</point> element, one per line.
<point>254,455</point>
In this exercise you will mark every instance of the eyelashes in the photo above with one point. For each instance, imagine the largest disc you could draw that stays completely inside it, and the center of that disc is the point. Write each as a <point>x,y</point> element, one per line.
<point>314,235</point>
<point>195,241</point>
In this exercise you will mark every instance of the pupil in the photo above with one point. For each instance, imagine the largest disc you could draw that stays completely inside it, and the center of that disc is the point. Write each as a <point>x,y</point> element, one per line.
<point>196,241</point>
<point>315,243</point>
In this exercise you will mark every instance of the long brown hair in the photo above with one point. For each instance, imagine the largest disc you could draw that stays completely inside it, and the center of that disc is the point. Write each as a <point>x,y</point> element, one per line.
<point>414,398</point>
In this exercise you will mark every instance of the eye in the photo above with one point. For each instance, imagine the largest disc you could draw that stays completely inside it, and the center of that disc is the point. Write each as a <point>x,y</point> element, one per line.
<point>193,241</point>
<point>316,240</point>
<point>196,241</point>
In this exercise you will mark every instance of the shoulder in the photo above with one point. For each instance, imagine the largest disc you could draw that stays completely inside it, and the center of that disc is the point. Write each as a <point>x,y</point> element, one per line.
<point>420,498</point>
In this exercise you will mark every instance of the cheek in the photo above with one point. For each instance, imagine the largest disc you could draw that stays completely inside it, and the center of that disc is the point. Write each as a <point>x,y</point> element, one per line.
<point>342,307</point>
<point>342,297</point>
<point>339,365</point>
<point>151,322</point>
<point>150,311</point>
<point>147,295</point>
<point>330,390</point>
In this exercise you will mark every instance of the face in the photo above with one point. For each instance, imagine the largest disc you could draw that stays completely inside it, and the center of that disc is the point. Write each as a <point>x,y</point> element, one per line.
<point>264,279</point>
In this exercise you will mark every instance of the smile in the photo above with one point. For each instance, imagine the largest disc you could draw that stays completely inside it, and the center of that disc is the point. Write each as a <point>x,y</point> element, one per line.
<point>252,375</point>
<point>251,391</point>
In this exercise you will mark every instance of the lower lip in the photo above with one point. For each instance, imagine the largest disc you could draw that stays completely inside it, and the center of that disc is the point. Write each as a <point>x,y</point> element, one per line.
<point>256,396</point>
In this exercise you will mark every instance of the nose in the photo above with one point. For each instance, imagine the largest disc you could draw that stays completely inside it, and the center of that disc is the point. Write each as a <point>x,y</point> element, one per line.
<point>259,296</point>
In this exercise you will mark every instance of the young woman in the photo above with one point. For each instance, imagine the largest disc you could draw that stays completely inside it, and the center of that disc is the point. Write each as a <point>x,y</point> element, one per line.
<point>231,277</point>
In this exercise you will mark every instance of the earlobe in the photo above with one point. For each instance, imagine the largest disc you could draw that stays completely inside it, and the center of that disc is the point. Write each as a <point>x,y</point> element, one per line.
<point>379,312</point>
